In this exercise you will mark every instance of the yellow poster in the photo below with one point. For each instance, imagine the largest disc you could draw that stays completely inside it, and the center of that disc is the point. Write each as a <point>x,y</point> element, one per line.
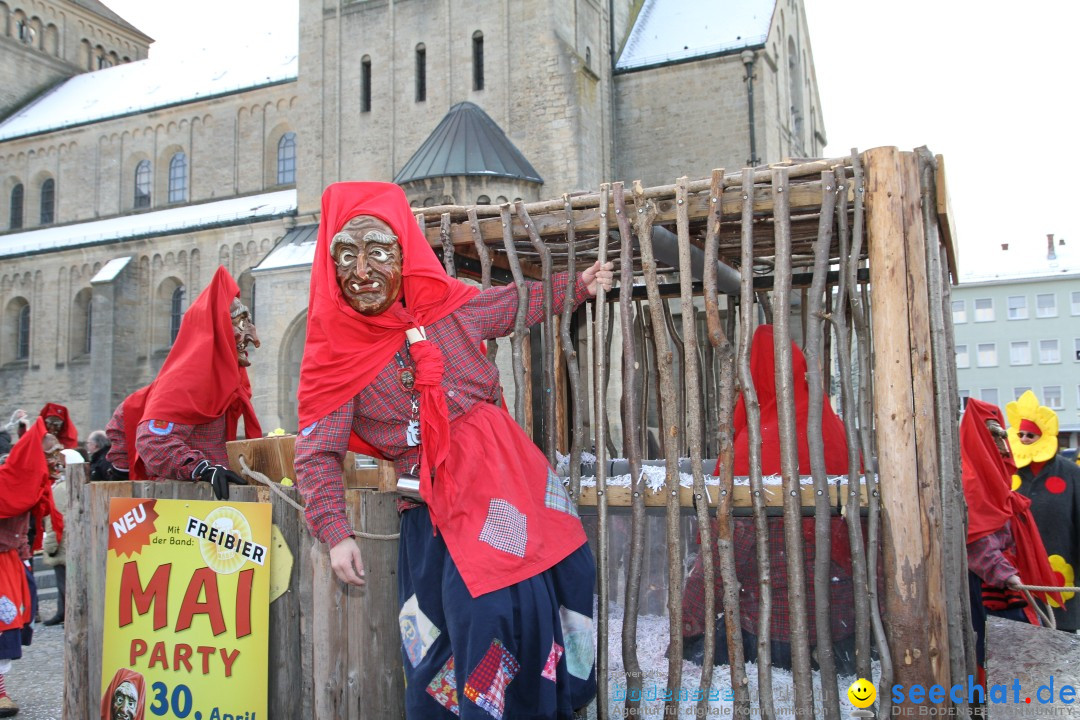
<point>186,610</point>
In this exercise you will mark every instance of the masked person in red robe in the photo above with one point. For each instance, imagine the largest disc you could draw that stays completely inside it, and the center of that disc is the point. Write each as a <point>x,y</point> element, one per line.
<point>176,427</point>
<point>1004,548</point>
<point>58,423</point>
<point>25,490</point>
<point>495,578</point>
<point>841,594</point>
<point>125,697</point>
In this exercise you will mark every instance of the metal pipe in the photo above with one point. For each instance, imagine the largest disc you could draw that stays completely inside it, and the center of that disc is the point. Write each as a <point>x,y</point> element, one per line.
<point>748,62</point>
<point>666,250</point>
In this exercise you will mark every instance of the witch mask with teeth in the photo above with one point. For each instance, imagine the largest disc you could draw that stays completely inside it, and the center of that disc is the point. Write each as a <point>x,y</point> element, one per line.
<point>367,257</point>
<point>243,331</point>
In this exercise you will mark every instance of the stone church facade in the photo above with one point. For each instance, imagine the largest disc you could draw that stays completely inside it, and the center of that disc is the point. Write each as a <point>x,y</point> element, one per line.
<point>116,211</point>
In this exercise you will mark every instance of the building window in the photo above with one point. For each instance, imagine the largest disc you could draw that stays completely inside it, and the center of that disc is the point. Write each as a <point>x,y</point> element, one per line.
<point>1052,397</point>
<point>1020,353</point>
<point>963,360</point>
<point>48,201</point>
<point>17,206</point>
<point>959,312</point>
<point>987,354</point>
<point>964,395</point>
<point>286,159</point>
<point>483,200</point>
<point>1076,303</point>
<point>142,184</point>
<point>22,341</point>
<point>1018,307</point>
<point>1018,391</point>
<point>1049,352</point>
<point>365,84</point>
<point>1076,349</point>
<point>478,60</point>
<point>176,313</point>
<point>178,178</point>
<point>984,309</point>
<point>89,328</point>
<point>1046,305</point>
<point>421,73</point>
<point>989,395</point>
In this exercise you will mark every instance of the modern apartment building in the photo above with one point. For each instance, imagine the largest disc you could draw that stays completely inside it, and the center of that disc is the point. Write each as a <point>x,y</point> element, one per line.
<point>1021,331</point>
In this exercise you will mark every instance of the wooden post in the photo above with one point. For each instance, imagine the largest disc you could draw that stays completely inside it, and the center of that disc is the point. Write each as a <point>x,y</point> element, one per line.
<point>907,584</point>
<point>77,690</point>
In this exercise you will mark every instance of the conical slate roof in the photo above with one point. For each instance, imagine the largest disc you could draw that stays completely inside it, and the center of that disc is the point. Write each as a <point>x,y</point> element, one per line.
<point>467,142</point>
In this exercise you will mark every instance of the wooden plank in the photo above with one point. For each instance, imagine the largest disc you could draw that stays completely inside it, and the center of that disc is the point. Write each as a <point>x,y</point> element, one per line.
<point>329,638</point>
<point>305,552</point>
<point>945,220</point>
<point>374,638</point>
<point>273,456</point>
<point>925,425</point>
<point>904,549</point>
<point>77,689</point>
<point>283,702</point>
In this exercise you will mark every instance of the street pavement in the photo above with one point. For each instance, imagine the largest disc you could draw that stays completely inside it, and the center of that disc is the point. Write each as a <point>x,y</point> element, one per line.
<point>36,682</point>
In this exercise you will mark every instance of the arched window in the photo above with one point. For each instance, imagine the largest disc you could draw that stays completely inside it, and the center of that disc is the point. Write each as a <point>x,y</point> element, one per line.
<point>176,313</point>
<point>48,201</point>
<point>795,91</point>
<point>22,342</point>
<point>286,159</point>
<point>478,60</point>
<point>17,206</point>
<point>178,178</point>
<point>81,323</point>
<point>89,327</point>
<point>483,200</point>
<point>142,184</point>
<point>365,84</point>
<point>421,73</point>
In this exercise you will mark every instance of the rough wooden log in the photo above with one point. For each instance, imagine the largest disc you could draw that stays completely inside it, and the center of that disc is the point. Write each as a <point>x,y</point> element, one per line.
<point>79,697</point>
<point>518,338</point>
<point>669,429</point>
<point>447,245</point>
<point>753,428</point>
<point>599,370</point>
<point>570,356</point>
<point>632,419</point>
<point>549,332</point>
<point>789,454</point>
<point>485,270</point>
<point>815,325</point>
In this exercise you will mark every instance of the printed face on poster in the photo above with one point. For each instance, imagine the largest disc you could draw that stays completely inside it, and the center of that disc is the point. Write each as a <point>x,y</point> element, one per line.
<point>186,610</point>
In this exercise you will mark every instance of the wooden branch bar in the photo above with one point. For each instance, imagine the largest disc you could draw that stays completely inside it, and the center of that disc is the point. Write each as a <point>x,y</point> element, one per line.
<point>549,393</point>
<point>600,369</point>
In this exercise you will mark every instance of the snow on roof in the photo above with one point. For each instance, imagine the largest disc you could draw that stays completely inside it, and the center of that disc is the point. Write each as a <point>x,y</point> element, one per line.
<point>147,84</point>
<point>1024,260</point>
<point>111,269</point>
<point>668,30</point>
<point>160,222</point>
<point>295,249</point>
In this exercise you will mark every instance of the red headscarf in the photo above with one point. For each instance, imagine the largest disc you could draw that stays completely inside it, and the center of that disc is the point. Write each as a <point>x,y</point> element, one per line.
<point>24,478</point>
<point>200,380</point>
<point>346,350</point>
<point>69,436</point>
<point>992,502</point>
<point>763,372</point>
<point>122,676</point>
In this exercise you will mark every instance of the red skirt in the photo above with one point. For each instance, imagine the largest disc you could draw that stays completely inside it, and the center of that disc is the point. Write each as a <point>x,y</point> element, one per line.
<point>15,604</point>
<point>506,516</point>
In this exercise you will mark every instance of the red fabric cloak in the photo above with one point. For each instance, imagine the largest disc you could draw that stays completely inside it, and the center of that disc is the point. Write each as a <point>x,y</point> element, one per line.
<point>122,676</point>
<point>69,436</point>
<point>24,478</point>
<point>345,350</point>
<point>991,501</point>
<point>200,380</point>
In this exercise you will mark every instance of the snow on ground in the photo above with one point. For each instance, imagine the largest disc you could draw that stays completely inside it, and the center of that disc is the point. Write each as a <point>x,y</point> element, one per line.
<point>652,645</point>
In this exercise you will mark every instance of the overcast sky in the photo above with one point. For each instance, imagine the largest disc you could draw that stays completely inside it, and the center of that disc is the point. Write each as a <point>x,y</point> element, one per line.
<point>989,85</point>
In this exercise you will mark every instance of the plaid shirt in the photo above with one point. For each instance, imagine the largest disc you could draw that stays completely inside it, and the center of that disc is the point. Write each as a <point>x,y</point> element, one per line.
<point>173,456</point>
<point>380,412</point>
<point>987,559</point>
<point>117,454</point>
<point>841,594</point>
<point>14,535</point>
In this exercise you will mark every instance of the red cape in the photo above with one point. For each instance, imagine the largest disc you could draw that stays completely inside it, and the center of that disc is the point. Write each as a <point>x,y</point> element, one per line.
<point>763,372</point>
<point>24,478</point>
<point>200,380</point>
<point>69,436</point>
<point>122,676</point>
<point>991,501</point>
<point>346,350</point>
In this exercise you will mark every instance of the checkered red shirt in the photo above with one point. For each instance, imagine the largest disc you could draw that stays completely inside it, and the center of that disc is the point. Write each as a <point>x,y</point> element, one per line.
<point>987,559</point>
<point>173,456</point>
<point>380,412</point>
<point>841,594</point>
<point>117,455</point>
<point>13,535</point>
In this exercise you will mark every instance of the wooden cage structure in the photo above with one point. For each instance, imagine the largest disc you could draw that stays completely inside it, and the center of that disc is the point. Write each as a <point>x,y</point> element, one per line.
<point>859,249</point>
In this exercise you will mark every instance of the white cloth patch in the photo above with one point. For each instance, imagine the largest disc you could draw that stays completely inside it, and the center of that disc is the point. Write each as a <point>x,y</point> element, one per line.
<point>307,431</point>
<point>417,631</point>
<point>577,631</point>
<point>8,611</point>
<point>505,528</point>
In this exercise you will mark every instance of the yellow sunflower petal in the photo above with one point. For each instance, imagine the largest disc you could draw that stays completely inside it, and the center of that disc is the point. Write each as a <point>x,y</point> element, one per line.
<point>1058,564</point>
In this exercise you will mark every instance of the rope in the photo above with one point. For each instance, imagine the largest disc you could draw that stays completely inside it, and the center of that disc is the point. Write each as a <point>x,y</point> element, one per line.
<point>1048,616</point>
<point>256,475</point>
